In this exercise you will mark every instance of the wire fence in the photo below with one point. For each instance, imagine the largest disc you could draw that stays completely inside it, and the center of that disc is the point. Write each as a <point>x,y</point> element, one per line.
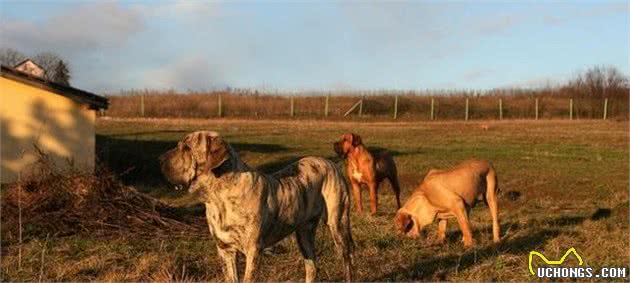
<point>400,107</point>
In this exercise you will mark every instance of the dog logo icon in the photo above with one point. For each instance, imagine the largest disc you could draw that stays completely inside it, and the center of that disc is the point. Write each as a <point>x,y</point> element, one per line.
<point>553,262</point>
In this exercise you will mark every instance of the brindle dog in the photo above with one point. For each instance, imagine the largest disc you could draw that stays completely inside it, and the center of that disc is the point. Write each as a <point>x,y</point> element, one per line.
<point>248,210</point>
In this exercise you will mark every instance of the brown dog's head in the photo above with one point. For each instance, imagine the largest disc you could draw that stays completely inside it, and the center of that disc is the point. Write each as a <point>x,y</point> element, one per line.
<point>348,142</point>
<point>196,154</point>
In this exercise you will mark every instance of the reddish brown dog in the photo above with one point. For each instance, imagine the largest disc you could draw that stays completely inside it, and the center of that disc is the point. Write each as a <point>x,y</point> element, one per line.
<point>364,167</point>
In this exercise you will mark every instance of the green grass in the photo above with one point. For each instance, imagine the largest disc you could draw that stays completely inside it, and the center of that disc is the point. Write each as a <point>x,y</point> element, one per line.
<point>563,172</point>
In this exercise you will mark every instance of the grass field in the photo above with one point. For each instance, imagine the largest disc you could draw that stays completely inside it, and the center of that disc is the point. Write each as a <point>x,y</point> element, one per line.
<point>564,184</point>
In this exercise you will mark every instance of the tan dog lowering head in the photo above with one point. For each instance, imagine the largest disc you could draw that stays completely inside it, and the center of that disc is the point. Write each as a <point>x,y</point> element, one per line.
<point>367,168</point>
<point>451,193</point>
<point>248,210</point>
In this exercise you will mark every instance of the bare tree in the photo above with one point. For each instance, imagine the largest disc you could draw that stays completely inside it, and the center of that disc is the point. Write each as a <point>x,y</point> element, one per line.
<point>615,82</point>
<point>10,57</point>
<point>61,74</point>
<point>48,61</point>
<point>600,81</point>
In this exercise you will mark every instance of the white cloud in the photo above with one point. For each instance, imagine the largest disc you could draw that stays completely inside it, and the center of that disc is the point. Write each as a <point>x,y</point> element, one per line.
<point>188,72</point>
<point>80,29</point>
<point>475,75</point>
<point>181,10</point>
<point>496,24</point>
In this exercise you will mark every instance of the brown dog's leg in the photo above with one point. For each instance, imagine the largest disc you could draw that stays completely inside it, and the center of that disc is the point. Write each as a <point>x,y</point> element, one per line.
<point>460,212</point>
<point>393,180</point>
<point>356,193</point>
<point>442,230</point>
<point>373,196</point>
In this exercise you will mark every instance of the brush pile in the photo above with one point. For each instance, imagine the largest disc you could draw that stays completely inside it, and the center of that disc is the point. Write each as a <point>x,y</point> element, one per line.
<point>64,204</point>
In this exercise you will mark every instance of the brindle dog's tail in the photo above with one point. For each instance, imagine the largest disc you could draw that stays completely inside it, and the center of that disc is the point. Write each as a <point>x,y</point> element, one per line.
<point>337,198</point>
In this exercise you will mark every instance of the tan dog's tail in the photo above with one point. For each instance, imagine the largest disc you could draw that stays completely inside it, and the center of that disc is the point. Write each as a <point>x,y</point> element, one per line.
<point>492,191</point>
<point>492,181</point>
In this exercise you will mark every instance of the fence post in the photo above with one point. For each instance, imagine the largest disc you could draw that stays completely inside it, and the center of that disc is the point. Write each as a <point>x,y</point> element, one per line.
<point>536,108</point>
<point>571,109</point>
<point>326,106</point>
<point>396,107</point>
<point>466,109</point>
<point>292,106</point>
<point>605,108</point>
<point>142,104</point>
<point>220,106</point>
<point>432,109</point>
<point>361,107</point>
<point>500,109</point>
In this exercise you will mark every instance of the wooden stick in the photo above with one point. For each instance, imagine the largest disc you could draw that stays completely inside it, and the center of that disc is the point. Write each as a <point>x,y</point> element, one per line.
<point>500,109</point>
<point>432,109</point>
<point>605,108</point>
<point>536,108</point>
<point>571,109</point>
<point>326,105</point>
<point>352,108</point>
<point>142,104</point>
<point>292,106</point>
<point>220,106</point>
<point>361,107</point>
<point>396,107</point>
<point>466,108</point>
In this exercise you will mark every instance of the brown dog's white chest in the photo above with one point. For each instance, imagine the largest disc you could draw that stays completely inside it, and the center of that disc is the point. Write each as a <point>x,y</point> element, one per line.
<point>355,173</point>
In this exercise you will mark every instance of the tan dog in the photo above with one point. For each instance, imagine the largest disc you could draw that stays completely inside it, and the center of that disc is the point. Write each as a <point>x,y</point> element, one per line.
<point>367,168</point>
<point>451,193</point>
<point>248,210</point>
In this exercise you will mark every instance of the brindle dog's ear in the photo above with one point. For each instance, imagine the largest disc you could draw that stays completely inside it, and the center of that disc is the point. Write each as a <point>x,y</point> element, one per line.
<point>195,142</point>
<point>356,140</point>
<point>216,152</point>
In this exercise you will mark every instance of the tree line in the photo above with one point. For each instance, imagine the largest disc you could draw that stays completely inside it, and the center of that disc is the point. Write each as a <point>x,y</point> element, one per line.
<point>55,68</point>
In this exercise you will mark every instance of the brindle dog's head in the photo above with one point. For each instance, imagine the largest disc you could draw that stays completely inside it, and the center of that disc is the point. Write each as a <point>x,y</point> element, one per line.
<point>347,143</point>
<point>196,154</point>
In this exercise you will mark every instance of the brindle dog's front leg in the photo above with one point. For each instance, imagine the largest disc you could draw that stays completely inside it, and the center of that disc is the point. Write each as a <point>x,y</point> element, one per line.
<point>252,260</point>
<point>229,260</point>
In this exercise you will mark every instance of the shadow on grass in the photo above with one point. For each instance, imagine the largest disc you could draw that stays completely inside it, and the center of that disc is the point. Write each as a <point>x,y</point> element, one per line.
<point>394,153</point>
<point>152,133</point>
<point>438,268</point>
<point>136,160</point>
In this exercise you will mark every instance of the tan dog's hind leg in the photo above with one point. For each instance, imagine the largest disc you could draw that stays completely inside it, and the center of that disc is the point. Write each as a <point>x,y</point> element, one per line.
<point>442,230</point>
<point>229,260</point>
<point>459,209</point>
<point>491,201</point>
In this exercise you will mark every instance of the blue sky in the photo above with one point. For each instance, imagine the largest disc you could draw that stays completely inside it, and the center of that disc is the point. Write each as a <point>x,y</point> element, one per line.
<point>309,45</point>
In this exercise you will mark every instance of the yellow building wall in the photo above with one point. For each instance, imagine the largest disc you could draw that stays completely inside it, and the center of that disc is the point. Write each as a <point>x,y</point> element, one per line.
<point>32,118</point>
